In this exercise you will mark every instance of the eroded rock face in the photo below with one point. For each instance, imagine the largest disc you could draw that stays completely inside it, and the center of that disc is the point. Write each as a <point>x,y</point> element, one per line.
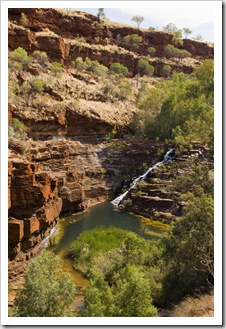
<point>58,35</point>
<point>34,205</point>
<point>62,176</point>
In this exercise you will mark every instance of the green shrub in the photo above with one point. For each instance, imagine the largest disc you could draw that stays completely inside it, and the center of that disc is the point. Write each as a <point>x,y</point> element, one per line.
<point>48,292</point>
<point>56,68</point>
<point>128,202</point>
<point>24,21</point>
<point>166,70</point>
<point>151,51</point>
<point>132,41</point>
<point>98,68</point>
<point>40,56</point>
<point>99,26</point>
<point>20,55</point>
<point>144,67</point>
<point>18,129</point>
<point>119,69</point>
<point>37,85</point>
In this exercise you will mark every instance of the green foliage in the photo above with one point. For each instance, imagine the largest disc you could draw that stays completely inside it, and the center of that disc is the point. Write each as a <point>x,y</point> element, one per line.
<point>116,88</point>
<point>186,31</point>
<point>151,28</point>
<point>170,28</point>
<point>24,21</point>
<point>177,38</point>
<point>122,279</point>
<point>37,85</point>
<point>99,300</point>
<point>188,250</point>
<point>132,41</point>
<point>48,292</point>
<point>92,66</point>
<point>205,76</point>
<point>128,203</point>
<point>99,69</point>
<point>171,51</point>
<point>40,56</point>
<point>138,19</point>
<point>199,179</point>
<point>20,55</point>
<point>100,13</point>
<point>166,70</point>
<point>186,102</point>
<point>90,243</point>
<point>18,129</point>
<point>198,38</point>
<point>79,64</point>
<point>144,67</point>
<point>119,69</point>
<point>99,26</point>
<point>151,51</point>
<point>56,68</point>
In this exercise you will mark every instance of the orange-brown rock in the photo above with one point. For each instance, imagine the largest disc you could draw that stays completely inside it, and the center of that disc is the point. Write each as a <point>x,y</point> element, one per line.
<point>57,33</point>
<point>34,205</point>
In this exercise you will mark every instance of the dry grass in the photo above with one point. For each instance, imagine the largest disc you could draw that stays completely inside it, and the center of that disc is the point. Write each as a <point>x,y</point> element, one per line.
<point>195,307</point>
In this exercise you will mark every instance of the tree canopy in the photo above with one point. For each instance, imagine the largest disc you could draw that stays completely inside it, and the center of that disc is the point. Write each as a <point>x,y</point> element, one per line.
<point>48,291</point>
<point>138,19</point>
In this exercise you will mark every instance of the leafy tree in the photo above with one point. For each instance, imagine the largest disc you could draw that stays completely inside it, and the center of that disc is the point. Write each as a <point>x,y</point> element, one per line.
<point>188,249</point>
<point>99,300</point>
<point>151,51</point>
<point>171,51</point>
<point>132,41</point>
<point>79,64</point>
<point>170,28</point>
<point>133,293</point>
<point>186,31</point>
<point>144,67</point>
<point>100,14</point>
<point>138,19</point>
<point>151,28</point>
<point>119,69</point>
<point>184,53</point>
<point>20,55</point>
<point>205,74</point>
<point>56,68</point>
<point>177,37</point>
<point>48,292</point>
<point>98,68</point>
<point>198,38</point>
<point>166,70</point>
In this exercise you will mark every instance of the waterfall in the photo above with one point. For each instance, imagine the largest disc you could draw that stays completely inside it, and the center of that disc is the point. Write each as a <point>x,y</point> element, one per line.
<point>167,159</point>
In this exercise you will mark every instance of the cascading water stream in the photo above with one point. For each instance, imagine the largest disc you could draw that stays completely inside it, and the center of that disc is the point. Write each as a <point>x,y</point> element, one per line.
<point>167,158</point>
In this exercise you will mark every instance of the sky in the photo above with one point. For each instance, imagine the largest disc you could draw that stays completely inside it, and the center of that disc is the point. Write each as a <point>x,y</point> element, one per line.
<point>199,20</point>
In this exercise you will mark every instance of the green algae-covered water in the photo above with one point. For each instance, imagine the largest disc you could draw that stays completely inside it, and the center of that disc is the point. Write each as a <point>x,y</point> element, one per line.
<point>104,214</point>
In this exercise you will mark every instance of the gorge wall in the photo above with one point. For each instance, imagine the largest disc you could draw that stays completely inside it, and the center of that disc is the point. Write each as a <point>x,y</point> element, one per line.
<point>69,162</point>
<point>64,37</point>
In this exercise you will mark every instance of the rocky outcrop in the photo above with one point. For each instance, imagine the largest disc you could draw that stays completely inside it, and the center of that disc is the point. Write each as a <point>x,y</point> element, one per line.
<point>60,37</point>
<point>155,198</point>
<point>34,205</point>
<point>62,176</point>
